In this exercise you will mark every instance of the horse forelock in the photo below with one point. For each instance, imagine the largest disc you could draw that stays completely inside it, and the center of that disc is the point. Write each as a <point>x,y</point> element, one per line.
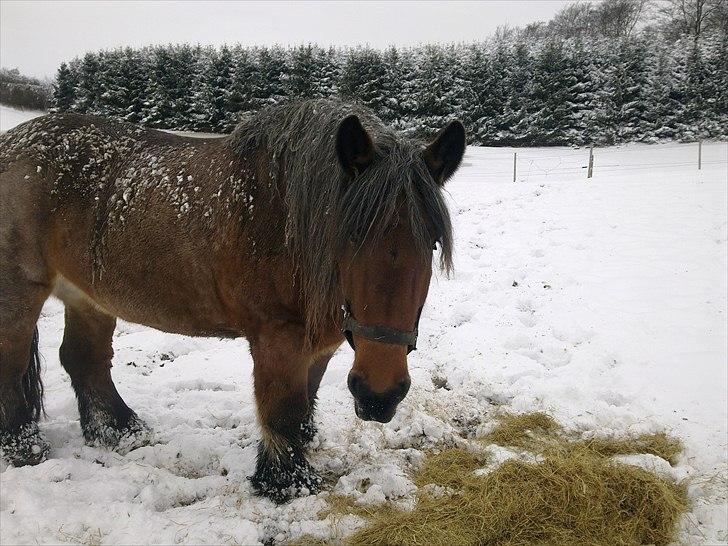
<point>325,208</point>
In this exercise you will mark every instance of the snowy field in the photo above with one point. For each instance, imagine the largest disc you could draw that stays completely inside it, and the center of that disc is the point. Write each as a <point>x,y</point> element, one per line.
<point>10,117</point>
<point>601,301</point>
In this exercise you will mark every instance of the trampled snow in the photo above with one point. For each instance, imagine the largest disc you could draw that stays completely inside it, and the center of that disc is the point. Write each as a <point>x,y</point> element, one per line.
<point>601,301</point>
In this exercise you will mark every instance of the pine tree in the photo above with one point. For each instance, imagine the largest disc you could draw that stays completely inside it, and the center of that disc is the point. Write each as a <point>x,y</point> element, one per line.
<point>460,88</point>
<point>87,92</point>
<point>434,88</point>
<point>392,78</point>
<point>550,121</point>
<point>220,87</point>
<point>517,67</point>
<point>629,85</point>
<point>327,72</point>
<point>123,81</point>
<point>679,91</point>
<point>160,102</point>
<point>134,73</point>
<point>64,93</point>
<point>170,98</point>
<point>599,120</point>
<point>363,77</point>
<point>583,95</point>
<point>483,93</point>
<point>300,81</point>
<point>202,107</point>
<point>244,75</point>
<point>269,86</point>
<point>401,102</point>
<point>695,122</point>
<point>716,85</point>
<point>663,110</point>
<point>184,59</point>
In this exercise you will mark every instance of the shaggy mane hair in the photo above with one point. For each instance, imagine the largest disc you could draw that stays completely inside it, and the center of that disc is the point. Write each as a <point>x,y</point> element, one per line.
<point>326,208</point>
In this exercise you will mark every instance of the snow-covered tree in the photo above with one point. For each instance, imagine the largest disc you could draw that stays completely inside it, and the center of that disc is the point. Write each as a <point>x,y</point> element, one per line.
<point>434,88</point>
<point>363,77</point>
<point>301,73</point>
<point>716,84</point>
<point>550,119</point>
<point>88,91</point>
<point>521,87</point>
<point>242,86</point>
<point>64,93</point>
<point>269,85</point>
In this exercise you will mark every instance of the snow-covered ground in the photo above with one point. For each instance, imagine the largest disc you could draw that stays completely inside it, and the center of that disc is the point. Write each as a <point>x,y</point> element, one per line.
<point>601,301</point>
<point>10,117</point>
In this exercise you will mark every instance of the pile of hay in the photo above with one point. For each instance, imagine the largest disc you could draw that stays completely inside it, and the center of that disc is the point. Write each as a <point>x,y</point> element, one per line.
<point>575,494</point>
<point>540,433</point>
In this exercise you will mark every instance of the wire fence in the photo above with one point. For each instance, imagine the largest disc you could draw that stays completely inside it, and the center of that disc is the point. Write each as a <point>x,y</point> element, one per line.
<point>523,165</point>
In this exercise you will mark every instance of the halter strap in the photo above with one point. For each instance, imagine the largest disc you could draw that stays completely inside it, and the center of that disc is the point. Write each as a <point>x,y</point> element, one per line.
<point>380,334</point>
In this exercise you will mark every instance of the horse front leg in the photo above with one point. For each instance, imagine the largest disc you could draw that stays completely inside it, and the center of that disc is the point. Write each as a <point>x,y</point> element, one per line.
<point>280,374</point>
<point>315,373</point>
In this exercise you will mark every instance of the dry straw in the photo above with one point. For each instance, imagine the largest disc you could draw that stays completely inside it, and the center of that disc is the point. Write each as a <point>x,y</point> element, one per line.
<point>576,494</point>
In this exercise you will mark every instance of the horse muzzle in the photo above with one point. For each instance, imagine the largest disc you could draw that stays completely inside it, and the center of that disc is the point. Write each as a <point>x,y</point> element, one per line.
<point>372,406</point>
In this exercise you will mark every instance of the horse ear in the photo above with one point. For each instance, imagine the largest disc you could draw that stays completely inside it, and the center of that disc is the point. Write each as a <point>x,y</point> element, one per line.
<point>443,155</point>
<point>354,146</point>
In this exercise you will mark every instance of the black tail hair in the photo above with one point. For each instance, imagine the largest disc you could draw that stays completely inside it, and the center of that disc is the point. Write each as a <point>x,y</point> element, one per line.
<point>32,384</point>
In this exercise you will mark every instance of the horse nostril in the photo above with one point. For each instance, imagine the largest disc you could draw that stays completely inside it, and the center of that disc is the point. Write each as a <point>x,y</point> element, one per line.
<point>354,382</point>
<point>404,386</point>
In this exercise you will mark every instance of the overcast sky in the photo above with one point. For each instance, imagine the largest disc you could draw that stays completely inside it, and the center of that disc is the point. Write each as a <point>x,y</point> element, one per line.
<point>37,36</point>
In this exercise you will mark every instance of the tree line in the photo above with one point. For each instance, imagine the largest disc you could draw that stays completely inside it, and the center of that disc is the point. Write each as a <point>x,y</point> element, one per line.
<point>507,91</point>
<point>597,73</point>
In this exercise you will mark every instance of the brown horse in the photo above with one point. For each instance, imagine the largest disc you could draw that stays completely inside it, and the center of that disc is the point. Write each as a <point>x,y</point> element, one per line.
<point>305,209</point>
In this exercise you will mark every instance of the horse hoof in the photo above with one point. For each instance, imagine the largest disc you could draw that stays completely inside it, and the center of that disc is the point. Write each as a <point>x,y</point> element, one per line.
<point>135,434</point>
<point>25,447</point>
<point>281,484</point>
<point>308,431</point>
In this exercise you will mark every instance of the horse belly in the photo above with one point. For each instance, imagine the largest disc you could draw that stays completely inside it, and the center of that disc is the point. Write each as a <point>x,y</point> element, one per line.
<point>179,312</point>
<point>147,278</point>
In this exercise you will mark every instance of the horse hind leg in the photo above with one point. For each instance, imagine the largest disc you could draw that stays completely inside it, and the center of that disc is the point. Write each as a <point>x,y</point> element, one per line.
<point>21,389</point>
<point>86,353</point>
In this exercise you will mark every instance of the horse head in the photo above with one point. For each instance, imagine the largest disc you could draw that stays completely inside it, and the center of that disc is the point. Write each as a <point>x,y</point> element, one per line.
<point>386,260</point>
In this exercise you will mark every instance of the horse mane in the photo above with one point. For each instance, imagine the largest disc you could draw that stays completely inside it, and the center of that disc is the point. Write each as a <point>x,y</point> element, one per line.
<point>325,208</point>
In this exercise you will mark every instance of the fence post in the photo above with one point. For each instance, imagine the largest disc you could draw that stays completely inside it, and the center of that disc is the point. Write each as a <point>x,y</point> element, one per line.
<point>700,154</point>
<point>590,170</point>
<point>514,166</point>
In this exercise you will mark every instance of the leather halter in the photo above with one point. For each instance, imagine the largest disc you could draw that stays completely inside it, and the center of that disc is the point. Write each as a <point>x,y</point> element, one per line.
<point>380,334</point>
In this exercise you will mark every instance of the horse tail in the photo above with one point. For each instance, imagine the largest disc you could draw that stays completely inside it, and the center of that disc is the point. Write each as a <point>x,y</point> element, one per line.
<point>32,383</point>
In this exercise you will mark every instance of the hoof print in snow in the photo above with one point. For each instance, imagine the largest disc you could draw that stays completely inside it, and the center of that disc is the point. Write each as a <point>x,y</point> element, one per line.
<point>24,447</point>
<point>122,439</point>
<point>440,382</point>
<point>285,477</point>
